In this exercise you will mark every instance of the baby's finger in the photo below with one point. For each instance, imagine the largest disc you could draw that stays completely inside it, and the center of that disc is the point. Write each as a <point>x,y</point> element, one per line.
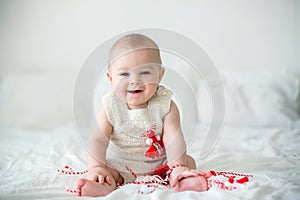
<point>189,173</point>
<point>94,178</point>
<point>174,180</point>
<point>108,180</point>
<point>101,179</point>
<point>198,172</point>
<point>207,174</point>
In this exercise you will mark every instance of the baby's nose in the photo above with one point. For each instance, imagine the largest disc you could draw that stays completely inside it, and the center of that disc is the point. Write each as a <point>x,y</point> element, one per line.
<point>135,79</point>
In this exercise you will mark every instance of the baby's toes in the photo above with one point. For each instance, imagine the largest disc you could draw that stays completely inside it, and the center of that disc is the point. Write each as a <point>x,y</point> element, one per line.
<point>209,184</point>
<point>79,185</point>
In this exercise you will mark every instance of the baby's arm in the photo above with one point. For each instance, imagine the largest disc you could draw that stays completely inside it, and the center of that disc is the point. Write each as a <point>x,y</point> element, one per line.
<point>173,138</point>
<point>175,146</point>
<point>97,145</point>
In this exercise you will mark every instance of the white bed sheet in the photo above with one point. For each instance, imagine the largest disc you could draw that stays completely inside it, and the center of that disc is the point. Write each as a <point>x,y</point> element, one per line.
<point>30,158</point>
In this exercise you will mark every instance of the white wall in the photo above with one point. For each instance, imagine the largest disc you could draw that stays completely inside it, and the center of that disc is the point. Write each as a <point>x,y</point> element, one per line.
<point>298,32</point>
<point>236,34</point>
<point>297,10</point>
<point>44,43</point>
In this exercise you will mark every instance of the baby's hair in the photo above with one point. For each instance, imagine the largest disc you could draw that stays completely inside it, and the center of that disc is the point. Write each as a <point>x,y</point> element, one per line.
<point>132,42</point>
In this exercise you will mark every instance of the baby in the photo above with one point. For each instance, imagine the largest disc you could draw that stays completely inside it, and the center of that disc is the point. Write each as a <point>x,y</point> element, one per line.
<point>139,130</point>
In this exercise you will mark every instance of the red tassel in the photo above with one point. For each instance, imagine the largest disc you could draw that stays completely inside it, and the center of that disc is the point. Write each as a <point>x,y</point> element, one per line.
<point>213,172</point>
<point>243,180</point>
<point>231,180</point>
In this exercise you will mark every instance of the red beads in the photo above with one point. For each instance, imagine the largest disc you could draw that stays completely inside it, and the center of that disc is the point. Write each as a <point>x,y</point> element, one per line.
<point>150,185</point>
<point>231,176</point>
<point>243,180</point>
<point>69,170</point>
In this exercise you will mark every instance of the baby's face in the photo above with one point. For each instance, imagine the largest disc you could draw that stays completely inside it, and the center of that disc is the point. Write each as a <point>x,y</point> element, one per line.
<point>135,77</point>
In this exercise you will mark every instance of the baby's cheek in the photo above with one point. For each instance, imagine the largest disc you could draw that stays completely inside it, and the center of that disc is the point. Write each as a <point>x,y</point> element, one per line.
<point>119,85</point>
<point>120,91</point>
<point>151,80</point>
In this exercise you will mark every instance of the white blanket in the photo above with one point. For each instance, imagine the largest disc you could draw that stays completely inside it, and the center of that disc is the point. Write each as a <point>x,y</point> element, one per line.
<point>30,159</point>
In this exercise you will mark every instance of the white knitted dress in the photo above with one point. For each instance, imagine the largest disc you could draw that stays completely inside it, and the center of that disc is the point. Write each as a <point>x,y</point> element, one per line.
<point>136,139</point>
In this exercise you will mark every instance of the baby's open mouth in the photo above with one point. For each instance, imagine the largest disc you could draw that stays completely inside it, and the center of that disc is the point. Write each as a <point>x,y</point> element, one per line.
<point>134,91</point>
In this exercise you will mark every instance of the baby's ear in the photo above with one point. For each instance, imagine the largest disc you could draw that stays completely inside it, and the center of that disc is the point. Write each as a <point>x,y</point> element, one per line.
<point>161,73</point>
<point>109,76</point>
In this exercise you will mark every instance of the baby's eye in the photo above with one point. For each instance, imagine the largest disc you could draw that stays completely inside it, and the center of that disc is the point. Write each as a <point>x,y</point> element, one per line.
<point>124,74</point>
<point>145,72</point>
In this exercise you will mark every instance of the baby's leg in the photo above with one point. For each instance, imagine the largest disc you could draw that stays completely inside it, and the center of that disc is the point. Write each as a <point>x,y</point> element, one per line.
<point>87,187</point>
<point>195,183</point>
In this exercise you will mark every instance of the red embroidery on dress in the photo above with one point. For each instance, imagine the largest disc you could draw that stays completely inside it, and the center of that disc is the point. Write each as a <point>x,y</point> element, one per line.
<point>157,148</point>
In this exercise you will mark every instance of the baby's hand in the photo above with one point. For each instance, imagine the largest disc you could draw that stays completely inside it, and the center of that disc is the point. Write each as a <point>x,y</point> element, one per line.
<point>100,174</point>
<point>182,172</point>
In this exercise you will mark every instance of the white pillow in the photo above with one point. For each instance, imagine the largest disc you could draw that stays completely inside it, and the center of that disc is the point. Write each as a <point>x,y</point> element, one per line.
<point>256,98</point>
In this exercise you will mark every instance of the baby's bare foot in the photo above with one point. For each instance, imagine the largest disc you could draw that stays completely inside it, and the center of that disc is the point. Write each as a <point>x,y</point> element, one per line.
<point>86,187</point>
<point>195,183</point>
